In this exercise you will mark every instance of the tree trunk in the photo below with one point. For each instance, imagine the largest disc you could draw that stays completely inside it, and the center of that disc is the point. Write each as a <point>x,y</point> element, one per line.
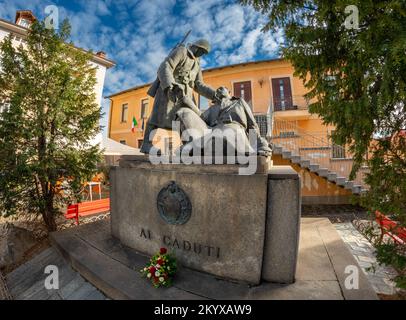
<point>49,214</point>
<point>49,219</point>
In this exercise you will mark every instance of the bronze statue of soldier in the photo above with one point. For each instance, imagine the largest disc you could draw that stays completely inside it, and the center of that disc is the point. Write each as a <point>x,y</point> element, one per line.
<point>178,76</point>
<point>227,113</point>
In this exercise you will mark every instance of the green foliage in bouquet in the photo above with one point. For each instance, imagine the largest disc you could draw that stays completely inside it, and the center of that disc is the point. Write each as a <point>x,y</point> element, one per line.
<point>161,269</point>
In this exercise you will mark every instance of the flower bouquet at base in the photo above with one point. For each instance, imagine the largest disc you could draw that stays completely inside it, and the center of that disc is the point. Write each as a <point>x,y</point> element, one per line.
<point>160,269</point>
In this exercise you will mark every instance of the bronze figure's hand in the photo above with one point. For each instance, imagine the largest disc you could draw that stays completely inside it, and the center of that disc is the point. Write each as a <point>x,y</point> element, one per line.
<point>178,92</point>
<point>170,93</point>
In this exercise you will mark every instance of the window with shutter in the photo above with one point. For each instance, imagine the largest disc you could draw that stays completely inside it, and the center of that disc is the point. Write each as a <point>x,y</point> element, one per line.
<point>144,108</point>
<point>243,90</point>
<point>124,112</point>
<point>282,94</point>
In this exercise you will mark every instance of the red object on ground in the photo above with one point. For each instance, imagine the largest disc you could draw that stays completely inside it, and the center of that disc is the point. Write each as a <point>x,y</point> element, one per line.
<point>74,211</point>
<point>391,228</point>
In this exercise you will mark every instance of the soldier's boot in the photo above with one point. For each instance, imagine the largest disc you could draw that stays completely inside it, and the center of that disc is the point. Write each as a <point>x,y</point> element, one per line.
<point>147,147</point>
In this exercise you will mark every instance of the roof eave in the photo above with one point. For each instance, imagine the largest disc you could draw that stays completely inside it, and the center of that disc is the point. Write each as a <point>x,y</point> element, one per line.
<point>128,90</point>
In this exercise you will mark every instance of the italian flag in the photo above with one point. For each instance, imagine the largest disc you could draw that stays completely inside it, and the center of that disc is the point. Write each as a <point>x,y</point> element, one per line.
<point>133,125</point>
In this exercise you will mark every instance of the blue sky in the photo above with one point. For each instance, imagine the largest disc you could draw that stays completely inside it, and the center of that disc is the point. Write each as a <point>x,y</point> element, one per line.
<point>137,34</point>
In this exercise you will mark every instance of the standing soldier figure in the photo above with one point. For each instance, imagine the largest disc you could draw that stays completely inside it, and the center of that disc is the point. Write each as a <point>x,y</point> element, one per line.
<point>178,75</point>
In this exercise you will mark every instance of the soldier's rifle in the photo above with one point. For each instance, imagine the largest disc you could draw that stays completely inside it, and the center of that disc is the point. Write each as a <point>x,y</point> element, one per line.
<point>155,85</point>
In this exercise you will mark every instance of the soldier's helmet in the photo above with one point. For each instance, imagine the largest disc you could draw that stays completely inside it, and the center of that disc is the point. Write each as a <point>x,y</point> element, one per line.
<point>202,43</point>
<point>222,92</point>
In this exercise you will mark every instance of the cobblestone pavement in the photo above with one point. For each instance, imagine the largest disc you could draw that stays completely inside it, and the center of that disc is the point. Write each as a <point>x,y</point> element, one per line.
<point>363,251</point>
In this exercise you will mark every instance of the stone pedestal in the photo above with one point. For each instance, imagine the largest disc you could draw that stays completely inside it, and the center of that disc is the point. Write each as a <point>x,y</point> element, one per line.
<point>215,220</point>
<point>282,225</point>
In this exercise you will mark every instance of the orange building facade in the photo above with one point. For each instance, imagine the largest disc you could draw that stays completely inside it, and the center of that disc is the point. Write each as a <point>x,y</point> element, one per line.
<point>300,139</point>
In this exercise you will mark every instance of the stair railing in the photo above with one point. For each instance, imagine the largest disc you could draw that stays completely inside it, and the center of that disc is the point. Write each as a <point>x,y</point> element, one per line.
<point>315,147</point>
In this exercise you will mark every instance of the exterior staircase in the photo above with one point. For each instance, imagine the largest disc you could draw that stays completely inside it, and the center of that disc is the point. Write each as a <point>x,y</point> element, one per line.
<point>312,151</point>
<point>312,166</point>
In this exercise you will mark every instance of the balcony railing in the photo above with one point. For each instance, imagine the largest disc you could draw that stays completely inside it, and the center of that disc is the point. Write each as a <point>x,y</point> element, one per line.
<point>294,102</point>
<point>264,124</point>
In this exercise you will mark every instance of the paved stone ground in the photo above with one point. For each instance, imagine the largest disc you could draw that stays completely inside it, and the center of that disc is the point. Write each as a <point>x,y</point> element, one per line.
<point>27,281</point>
<point>335,213</point>
<point>4,292</point>
<point>322,260</point>
<point>363,251</point>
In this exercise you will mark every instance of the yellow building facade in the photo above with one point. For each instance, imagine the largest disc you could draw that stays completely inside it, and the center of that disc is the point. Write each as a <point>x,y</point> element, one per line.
<point>269,87</point>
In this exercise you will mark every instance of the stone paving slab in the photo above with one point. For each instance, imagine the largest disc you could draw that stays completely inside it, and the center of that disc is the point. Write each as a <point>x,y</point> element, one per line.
<point>113,268</point>
<point>28,281</point>
<point>314,262</point>
<point>4,292</point>
<point>113,278</point>
<point>379,276</point>
<point>341,259</point>
<point>300,290</point>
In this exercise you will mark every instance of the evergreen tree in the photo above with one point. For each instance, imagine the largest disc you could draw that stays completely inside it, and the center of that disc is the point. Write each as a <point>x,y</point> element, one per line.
<point>48,118</point>
<point>351,56</point>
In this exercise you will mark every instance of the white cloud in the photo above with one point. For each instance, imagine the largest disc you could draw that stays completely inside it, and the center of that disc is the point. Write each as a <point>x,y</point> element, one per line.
<point>193,8</point>
<point>248,47</point>
<point>99,7</point>
<point>271,42</point>
<point>230,27</point>
<point>119,79</point>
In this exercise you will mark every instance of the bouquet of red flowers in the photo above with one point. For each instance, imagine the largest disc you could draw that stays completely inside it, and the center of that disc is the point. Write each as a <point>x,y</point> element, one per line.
<point>160,269</point>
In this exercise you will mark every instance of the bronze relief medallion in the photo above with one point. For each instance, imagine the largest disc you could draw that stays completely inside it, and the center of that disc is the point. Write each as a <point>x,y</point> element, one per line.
<point>173,204</point>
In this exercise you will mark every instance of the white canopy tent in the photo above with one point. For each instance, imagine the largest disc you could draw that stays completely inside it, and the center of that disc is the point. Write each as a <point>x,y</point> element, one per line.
<point>114,148</point>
